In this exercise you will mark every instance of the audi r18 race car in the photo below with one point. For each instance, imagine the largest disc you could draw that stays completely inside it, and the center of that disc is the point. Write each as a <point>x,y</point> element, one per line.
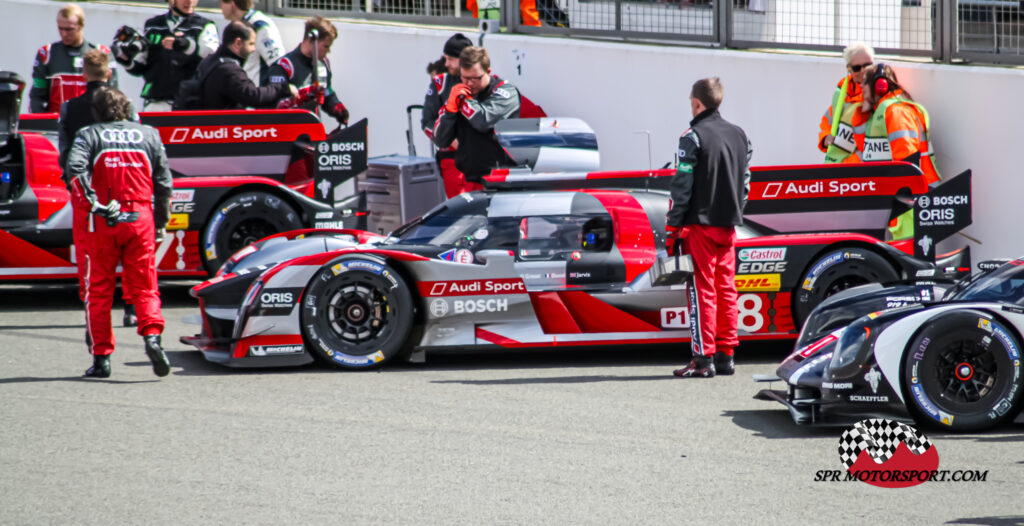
<point>944,353</point>
<point>949,358</point>
<point>239,176</point>
<point>543,260</point>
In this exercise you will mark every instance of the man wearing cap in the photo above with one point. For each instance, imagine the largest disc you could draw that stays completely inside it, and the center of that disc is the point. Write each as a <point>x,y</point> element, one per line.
<point>433,105</point>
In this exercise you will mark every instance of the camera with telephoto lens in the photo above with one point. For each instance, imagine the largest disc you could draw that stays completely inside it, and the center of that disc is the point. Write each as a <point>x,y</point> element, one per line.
<point>127,44</point>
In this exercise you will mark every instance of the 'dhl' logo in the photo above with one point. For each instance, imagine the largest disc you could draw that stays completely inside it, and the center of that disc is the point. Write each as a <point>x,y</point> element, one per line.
<point>889,448</point>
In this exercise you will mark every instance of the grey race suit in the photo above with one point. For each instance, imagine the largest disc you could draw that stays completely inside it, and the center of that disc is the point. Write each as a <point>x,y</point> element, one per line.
<point>473,125</point>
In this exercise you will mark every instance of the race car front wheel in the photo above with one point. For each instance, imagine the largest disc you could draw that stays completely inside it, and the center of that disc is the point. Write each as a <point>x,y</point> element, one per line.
<point>242,220</point>
<point>357,313</point>
<point>836,271</point>
<point>962,372</point>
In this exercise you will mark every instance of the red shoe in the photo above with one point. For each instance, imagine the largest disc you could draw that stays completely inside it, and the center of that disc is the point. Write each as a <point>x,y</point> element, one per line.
<point>699,367</point>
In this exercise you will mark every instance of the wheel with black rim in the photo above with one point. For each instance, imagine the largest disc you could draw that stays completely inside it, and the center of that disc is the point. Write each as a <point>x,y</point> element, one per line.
<point>357,313</point>
<point>962,372</point>
<point>836,271</point>
<point>242,220</point>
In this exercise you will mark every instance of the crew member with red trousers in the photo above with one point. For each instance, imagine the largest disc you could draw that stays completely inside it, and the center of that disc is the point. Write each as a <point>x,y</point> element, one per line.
<point>708,193</point>
<point>121,169</point>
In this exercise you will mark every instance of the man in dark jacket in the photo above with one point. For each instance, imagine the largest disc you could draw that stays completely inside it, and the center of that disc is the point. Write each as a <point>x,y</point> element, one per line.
<point>225,85</point>
<point>121,169</point>
<point>433,104</point>
<point>473,108</point>
<point>708,193</point>
<point>57,71</point>
<point>76,114</point>
<point>314,85</point>
<point>176,42</point>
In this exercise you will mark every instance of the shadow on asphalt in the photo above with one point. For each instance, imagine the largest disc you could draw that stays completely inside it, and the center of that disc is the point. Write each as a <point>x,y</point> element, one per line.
<point>64,295</point>
<point>991,521</point>
<point>671,356</point>
<point>1008,433</point>
<point>188,362</point>
<point>36,379</point>
<point>776,423</point>
<point>559,380</point>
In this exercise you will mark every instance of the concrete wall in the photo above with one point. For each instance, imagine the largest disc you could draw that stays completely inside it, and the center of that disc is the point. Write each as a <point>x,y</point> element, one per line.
<point>628,92</point>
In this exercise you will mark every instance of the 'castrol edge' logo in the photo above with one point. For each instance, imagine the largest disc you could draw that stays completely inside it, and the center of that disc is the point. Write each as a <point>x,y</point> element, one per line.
<point>223,134</point>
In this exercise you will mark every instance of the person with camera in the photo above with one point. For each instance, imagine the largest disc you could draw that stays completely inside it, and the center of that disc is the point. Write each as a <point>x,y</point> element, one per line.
<point>57,71</point>
<point>168,52</point>
<point>120,168</point>
<point>708,194</point>
<point>472,109</point>
<point>224,85</point>
<point>313,82</point>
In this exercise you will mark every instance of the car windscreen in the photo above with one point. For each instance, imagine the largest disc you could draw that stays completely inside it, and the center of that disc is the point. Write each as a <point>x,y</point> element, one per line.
<point>1005,285</point>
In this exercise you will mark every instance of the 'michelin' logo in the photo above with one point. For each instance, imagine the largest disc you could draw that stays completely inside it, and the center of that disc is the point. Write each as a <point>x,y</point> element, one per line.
<point>888,454</point>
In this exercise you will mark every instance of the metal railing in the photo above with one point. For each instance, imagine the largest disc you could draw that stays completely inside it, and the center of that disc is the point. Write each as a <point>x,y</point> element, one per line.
<point>987,31</point>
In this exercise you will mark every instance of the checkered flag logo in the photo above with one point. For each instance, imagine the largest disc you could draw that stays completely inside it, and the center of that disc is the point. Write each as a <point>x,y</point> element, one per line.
<point>881,438</point>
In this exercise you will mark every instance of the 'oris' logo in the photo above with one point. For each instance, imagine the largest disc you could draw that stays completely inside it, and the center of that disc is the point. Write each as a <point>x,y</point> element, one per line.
<point>276,297</point>
<point>122,136</point>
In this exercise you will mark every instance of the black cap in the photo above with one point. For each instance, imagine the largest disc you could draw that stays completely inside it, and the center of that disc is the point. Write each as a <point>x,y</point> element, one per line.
<point>454,46</point>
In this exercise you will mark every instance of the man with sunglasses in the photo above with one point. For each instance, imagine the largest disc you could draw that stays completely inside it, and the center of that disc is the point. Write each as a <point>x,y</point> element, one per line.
<point>474,106</point>
<point>57,71</point>
<point>841,134</point>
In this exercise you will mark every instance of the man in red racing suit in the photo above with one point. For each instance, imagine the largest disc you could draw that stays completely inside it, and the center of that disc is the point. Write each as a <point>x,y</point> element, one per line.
<point>121,169</point>
<point>708,193</point>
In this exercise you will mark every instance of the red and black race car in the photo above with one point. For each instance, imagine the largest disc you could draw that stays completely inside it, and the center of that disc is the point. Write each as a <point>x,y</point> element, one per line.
<point>239,176</point>
<point>566,259</point>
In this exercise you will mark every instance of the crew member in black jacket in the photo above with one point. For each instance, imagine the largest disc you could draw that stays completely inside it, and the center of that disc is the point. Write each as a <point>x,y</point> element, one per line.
<point>225,85</point>
<point>176,42</point>
<point>76,114</point>
<point>708,193</point>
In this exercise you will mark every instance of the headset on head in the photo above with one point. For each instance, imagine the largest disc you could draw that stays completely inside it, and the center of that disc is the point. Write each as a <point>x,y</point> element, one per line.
<point>880,84</point>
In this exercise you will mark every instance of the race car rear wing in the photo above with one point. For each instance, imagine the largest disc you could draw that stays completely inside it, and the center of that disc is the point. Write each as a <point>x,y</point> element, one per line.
<point>550,144</point>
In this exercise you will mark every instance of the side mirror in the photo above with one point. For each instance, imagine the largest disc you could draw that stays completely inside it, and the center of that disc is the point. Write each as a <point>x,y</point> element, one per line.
<point>484,255</point>
<point>597,235</point>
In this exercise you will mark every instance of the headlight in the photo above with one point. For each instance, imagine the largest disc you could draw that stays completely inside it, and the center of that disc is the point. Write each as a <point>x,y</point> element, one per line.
<point>854,342</point>
<point>229,265</point>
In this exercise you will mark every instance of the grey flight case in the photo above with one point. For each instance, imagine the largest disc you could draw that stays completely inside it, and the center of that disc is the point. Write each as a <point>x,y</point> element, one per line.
<point>399,188</point>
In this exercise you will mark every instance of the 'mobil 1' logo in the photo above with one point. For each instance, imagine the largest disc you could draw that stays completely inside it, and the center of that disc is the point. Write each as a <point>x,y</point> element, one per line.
<point>887,454</point>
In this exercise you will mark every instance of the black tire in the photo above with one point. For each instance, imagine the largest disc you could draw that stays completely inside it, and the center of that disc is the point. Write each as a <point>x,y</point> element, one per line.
<point>962,372</point>
<point>241,220</point>
<point>838,270</point>
<point>357,313</point>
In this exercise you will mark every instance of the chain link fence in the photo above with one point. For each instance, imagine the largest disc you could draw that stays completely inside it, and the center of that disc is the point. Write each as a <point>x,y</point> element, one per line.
<point>891,25</point>
<point>946,30</point>
<point>989,30</point>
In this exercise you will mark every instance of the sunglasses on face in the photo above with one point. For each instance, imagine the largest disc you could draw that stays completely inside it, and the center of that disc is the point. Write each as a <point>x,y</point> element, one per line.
<point>856,68</point>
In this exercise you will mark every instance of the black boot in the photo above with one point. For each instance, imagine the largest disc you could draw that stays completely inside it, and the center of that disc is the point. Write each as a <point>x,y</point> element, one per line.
<point>130,319</point>
<point>100,367</point>
<point>161,367</point>
<point>699,367</point>
<point>724,364</point>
